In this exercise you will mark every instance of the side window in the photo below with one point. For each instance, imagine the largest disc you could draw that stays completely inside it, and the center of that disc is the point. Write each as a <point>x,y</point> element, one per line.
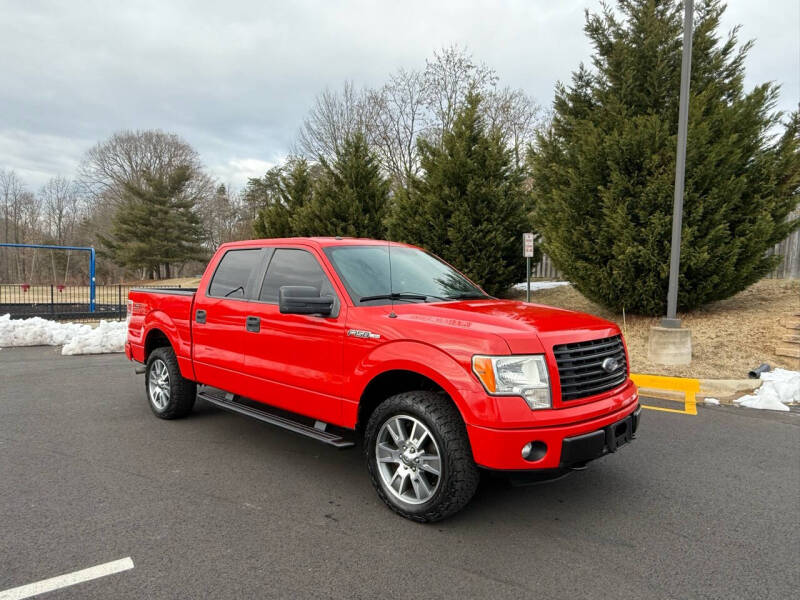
<point>233,271</point>
<point>293,267</point>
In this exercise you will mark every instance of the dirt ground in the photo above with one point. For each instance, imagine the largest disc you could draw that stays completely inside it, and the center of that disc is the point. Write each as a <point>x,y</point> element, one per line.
<point>181,281</point>
<point>105,294</point>
<point>729,337</point>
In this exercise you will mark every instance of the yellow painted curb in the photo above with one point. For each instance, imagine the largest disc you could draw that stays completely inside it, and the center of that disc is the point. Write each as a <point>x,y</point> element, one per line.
<point>689,387</point>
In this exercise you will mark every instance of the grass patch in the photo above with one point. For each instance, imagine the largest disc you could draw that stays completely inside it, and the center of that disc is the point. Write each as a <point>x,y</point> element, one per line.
<point>729,337</point>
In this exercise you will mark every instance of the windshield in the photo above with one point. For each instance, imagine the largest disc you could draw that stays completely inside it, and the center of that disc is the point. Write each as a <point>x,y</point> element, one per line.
<point>416,275</point>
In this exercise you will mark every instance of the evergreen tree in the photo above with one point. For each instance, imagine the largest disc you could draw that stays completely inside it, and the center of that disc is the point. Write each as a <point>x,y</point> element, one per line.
<point>603,174</point>
<point>469,206</point>
<point>351,196</point>
<point>156,225</point>
<point>281,194</point>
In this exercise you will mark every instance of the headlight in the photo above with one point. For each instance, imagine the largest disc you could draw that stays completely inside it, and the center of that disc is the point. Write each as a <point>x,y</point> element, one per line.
<point>521,375</point>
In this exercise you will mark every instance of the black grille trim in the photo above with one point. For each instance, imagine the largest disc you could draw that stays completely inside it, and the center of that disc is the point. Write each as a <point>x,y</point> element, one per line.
<point>580,367</point>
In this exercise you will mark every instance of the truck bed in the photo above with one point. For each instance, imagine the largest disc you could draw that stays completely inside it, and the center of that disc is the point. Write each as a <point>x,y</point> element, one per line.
<point>171,309</point>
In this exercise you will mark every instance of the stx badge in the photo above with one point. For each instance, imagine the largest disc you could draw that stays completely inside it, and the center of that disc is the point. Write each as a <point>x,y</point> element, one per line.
<point>360,333</point>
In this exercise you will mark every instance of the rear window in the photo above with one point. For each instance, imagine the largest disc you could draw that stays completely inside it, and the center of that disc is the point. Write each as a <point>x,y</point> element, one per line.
<point>230,278</point>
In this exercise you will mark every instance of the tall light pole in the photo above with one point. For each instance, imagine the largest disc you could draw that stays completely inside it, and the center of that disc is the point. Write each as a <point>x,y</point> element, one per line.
<point>671,320</point>
<point>669,343</point>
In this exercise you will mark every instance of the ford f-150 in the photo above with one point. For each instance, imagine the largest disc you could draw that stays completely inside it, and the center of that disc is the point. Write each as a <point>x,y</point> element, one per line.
<point>353,340</point>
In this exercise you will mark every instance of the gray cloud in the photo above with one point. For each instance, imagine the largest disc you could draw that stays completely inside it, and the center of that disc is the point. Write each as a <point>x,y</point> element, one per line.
<point>236,78</point>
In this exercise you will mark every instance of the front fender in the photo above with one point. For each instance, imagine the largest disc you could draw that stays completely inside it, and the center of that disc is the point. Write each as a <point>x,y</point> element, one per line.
<point>454,378</point>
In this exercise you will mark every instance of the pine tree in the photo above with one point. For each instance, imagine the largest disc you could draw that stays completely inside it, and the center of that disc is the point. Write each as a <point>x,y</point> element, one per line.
<point>156,225</point>
<point>469,206</point>
<point>603,174</point>
<point>351,196</point>
<point>281,193</point>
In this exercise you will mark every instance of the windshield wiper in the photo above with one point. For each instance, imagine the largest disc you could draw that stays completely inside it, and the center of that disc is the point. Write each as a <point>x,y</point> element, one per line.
<point>396,296</point>
<point>468,296</point>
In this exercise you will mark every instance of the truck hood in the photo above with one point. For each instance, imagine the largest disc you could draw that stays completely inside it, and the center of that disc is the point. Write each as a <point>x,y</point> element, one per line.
<point>526,328</point>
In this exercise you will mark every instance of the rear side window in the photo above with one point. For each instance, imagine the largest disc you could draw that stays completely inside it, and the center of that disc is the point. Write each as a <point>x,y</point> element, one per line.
<point>293,267</point>
<point>230,278</point>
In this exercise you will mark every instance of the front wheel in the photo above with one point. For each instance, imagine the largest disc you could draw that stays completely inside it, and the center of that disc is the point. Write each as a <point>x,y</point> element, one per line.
<point>419,457</point>
<point>170,395</point>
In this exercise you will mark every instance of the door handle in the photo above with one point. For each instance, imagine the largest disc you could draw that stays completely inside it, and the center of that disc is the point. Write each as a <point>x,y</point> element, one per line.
<point>200,316</point>
<point>253,324</point>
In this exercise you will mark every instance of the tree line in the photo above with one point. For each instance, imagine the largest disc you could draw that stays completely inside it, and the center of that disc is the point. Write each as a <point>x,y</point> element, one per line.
<point>434,157</point>
<point>143,198</point>
<point>447,158</point>
<point>448,162</point>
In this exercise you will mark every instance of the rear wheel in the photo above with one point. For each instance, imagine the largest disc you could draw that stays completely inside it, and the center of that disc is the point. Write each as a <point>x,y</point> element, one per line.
<point>419,457</point>
<point>170,395</point>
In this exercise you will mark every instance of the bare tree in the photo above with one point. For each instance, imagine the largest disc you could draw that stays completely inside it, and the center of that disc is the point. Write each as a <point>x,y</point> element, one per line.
<point>515,115</point>
<point>335,117</point>
<point>448,78</point>
<point>399,119</point>
<point>127,156</point>
<point>16,202</point>
<point>61,207</point>
<point>225,217</point>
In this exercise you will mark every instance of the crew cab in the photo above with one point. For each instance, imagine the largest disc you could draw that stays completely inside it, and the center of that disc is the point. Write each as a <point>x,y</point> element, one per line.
<point>347,340</point>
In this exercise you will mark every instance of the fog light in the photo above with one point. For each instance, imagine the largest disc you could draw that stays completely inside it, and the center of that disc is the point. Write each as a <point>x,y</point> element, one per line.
<point>534,451</point>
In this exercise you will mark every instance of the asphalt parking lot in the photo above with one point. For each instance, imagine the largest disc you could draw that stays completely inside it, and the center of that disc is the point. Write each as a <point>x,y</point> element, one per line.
<point>219,506</point>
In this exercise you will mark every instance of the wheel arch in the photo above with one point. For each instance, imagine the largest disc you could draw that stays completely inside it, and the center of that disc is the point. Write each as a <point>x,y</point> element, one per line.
<point>403,366</point>
<point>389,383</point>
<point>161,331</point>
<point>155,338</point>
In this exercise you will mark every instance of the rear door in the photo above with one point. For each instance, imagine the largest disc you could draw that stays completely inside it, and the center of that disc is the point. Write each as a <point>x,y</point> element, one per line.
<point>219,319</point>
<point>295,361</point>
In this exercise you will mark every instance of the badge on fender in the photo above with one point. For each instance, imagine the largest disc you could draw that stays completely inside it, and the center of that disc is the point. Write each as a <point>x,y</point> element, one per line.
<point>360,333</point>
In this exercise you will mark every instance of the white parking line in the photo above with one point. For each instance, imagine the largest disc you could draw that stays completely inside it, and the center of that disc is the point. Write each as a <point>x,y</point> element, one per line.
<point>62,581</point>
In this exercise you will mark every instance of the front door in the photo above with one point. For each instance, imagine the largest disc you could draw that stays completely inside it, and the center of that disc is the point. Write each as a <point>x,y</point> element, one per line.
<point>295,361</point>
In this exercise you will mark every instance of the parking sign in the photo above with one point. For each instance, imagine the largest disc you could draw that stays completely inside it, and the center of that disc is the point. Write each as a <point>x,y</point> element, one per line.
<point>527,245</point>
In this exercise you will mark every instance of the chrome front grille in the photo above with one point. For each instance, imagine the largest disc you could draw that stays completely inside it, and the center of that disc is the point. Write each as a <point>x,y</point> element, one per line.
<point>581,370</point>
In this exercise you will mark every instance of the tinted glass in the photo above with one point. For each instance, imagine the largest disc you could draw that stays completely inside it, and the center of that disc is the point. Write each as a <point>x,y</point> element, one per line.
<point>365,272</point>
<point>230,278</point>
<point>293,267</point>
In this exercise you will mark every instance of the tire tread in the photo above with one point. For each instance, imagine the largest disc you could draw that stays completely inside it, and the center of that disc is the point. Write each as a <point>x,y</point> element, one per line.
<point>182,393</point>
<point>461,476</point>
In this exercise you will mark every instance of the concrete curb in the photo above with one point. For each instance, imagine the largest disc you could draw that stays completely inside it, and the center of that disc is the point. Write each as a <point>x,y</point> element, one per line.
<point>727,390</point>
<point>724,390</point>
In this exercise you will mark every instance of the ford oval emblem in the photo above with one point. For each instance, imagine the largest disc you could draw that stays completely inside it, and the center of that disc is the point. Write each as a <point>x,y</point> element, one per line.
<point>610,365</point>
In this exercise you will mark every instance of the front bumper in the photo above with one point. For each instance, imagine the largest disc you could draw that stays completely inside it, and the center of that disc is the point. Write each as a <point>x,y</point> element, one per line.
<point>569,445</point>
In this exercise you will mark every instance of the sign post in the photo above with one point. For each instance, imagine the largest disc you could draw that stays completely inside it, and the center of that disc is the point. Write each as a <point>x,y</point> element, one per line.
<point>527,252</point>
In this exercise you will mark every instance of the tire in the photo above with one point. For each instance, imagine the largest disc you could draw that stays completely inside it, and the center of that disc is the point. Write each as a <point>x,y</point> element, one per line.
<point>170,396</point>
<point>431,425</point>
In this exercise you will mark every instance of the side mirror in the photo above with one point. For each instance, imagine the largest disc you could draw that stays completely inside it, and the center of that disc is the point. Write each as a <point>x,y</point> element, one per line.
<point>303,300</point>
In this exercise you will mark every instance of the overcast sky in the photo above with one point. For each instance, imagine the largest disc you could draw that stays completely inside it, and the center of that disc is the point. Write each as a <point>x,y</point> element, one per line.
<point>235,78</point>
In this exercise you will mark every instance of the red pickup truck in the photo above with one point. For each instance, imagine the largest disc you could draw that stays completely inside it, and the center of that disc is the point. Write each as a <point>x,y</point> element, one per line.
<point>353,339</point>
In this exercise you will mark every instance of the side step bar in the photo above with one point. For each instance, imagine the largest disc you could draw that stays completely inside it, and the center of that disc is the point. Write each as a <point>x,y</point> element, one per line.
<point>227,401</point>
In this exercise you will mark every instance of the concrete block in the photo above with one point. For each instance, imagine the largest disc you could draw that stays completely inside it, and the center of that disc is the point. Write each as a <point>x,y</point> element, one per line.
<point>670,346</point>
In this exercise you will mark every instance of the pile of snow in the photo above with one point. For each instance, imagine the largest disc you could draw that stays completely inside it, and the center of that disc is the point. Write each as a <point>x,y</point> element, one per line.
<point>108,336</point>
<point>712,401</point>
<point>539,285</point>
<point>780,388</point>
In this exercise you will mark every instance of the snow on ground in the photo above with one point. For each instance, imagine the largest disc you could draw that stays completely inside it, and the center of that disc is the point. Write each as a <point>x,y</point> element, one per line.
<point>108,336</point>
<point>780,388</point>
<point>540,285</point>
